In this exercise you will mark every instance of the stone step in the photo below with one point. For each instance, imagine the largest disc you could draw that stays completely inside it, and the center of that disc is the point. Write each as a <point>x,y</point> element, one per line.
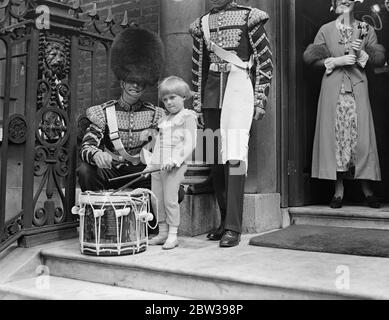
<point>203,270</point>
<point>347,216</point>
<point>57,288</point>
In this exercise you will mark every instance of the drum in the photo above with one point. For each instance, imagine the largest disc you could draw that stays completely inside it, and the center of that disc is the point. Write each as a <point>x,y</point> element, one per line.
<point>113,224</point>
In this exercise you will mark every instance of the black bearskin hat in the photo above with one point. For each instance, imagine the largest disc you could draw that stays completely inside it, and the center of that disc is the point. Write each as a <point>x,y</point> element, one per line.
<point>137,55</point>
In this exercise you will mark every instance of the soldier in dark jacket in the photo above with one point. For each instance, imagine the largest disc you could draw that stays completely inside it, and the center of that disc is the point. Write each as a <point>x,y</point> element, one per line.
<point>232,72</point>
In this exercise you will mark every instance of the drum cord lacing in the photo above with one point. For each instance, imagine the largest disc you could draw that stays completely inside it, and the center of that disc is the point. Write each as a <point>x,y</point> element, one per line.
<point>141,191</point>
<point>119,234</point>
<point>99,213</point>
<point>139,200</point>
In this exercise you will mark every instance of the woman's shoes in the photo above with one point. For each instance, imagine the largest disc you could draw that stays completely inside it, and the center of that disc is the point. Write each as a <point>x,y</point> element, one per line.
<point>373,202</point>
<point>336,202</point>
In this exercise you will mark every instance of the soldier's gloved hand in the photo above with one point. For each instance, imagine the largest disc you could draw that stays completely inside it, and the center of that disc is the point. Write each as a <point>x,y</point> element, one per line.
<point>200,121</point>
<point>103,160</point>
<point>259,113</point>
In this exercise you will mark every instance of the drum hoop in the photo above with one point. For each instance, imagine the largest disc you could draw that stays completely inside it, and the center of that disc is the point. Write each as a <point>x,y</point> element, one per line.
<point>114,245</point>
<point>115,198</point>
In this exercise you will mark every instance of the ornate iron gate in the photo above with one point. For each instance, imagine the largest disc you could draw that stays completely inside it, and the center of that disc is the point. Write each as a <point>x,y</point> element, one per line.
<point>44,64</point>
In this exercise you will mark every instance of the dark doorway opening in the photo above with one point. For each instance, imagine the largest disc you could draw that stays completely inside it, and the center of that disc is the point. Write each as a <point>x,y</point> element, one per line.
<point>307,18</point>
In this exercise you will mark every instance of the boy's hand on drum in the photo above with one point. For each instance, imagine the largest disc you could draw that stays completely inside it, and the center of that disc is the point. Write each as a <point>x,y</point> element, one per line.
<point>103,160</point>
<point>168,166</point>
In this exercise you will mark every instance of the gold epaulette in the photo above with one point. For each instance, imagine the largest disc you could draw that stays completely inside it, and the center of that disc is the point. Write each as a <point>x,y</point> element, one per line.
<point>108,103</point>
<point>96,114</point>
<point>244,7</point>
<point>195,28</point>
<point>256,17</point>
<point>149,105</point>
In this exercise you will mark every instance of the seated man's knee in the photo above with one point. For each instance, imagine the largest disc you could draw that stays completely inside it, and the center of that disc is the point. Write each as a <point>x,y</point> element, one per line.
<point>88,178</point>
<point>85,170</point>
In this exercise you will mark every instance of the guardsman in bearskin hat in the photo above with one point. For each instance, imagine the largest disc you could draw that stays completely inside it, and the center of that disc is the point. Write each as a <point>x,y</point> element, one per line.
<point>232,72</point>
<point>120,129</point>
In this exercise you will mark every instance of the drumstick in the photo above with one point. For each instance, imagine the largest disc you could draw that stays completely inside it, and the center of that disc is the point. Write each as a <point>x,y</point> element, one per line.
<point>132,175</point>
<point>127,185</point>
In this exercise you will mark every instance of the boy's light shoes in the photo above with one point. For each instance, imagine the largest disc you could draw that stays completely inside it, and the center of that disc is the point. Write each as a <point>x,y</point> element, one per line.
<point>158,240</point>
<point>170,244</point>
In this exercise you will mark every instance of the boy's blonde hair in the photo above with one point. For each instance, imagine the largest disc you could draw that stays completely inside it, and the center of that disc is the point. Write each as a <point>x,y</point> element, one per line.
<point>175,85</point>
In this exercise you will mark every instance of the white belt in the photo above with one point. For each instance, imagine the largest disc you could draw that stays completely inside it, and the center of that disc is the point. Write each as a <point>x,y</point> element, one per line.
<point>115,138</point>
<point>220,67</point>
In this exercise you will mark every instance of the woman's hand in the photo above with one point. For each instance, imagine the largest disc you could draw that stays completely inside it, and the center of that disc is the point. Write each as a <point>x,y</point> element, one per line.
<point>346,60</point>
<point>357,46</point>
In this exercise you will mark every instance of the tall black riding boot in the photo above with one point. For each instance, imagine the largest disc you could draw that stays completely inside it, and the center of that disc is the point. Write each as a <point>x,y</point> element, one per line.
<point>235,182</point>
<point>218,179</point>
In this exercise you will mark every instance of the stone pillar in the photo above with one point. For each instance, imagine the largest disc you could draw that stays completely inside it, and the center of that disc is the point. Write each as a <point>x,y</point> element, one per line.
<point>176,16</point>
<point>262,201</point>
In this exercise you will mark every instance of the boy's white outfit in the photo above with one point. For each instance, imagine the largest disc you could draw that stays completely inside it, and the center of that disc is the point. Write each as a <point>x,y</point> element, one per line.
<point>175,143</point>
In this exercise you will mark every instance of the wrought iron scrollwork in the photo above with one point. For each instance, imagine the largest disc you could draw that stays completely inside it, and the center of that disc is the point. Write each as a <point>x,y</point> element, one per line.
<point>51,164</point>
<point>40,217</point>
<point>12,227</point>
<point>86,41</point>
<point>53,126</point>
<point>19,33</point>
<point>16,9</point>
<point>61,166</point>
<point>75,9</point>
<point>17,129</point>
<point>40,165</point>
<point>44,93</point>
<point>59,215</point>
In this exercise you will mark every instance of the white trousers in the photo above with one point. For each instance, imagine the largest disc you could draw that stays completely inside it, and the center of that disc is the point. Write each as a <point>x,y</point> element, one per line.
<point>165,186</point>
